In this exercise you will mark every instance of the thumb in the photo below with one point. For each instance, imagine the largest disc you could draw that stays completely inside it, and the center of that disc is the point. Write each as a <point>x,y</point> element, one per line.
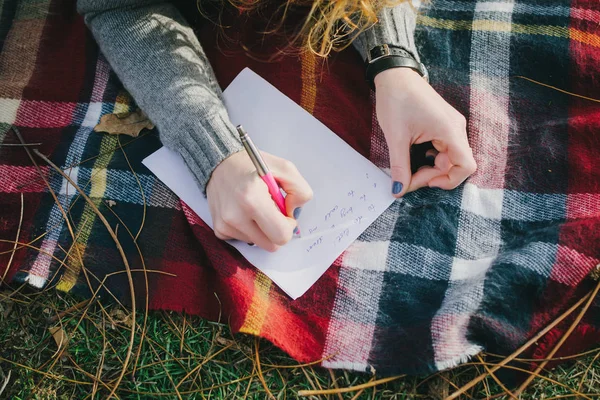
<point>293,183</point>
<point>400,166</point>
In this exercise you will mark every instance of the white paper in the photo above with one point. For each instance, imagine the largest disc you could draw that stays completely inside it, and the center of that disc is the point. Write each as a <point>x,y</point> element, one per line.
<point>350,192</point>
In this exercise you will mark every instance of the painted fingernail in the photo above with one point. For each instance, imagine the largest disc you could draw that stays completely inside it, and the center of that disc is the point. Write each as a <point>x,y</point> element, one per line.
<point>296,231</point>
<point>250,244</point>
<point>396,187</point>
<point>297,212</point>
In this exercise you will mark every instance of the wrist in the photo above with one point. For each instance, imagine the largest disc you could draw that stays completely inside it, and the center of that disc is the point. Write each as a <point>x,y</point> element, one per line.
<point>393,76</point>
<point>385,57</point>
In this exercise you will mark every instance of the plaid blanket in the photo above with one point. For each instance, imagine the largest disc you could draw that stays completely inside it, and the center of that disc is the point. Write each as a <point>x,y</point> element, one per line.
<point>439,277</point>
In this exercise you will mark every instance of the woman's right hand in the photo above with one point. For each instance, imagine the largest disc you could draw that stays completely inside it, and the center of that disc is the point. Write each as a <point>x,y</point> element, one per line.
<point>242,208</point>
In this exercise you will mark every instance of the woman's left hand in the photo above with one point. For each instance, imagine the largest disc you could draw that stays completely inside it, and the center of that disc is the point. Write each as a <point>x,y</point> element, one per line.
<point>410,112</point>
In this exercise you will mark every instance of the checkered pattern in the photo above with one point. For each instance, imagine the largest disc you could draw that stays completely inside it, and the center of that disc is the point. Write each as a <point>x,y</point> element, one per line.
<point>440,276</point>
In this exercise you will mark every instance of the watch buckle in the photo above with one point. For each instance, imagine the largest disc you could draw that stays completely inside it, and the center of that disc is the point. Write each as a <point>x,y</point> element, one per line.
<point>385,51</point>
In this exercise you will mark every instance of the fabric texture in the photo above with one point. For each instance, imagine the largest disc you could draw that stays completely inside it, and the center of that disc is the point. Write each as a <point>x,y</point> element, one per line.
<point>151,38</point>
<point>440,276</point>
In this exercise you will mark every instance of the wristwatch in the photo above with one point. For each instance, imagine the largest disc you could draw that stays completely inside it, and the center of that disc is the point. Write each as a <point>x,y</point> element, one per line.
<point>385,56</point>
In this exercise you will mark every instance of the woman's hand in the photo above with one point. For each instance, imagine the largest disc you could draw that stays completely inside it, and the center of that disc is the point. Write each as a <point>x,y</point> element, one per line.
<point>410,112</point>
<point>242,208</point>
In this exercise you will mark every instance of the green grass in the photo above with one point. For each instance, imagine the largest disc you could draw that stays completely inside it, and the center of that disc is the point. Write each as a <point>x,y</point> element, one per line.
<point>223,366</point>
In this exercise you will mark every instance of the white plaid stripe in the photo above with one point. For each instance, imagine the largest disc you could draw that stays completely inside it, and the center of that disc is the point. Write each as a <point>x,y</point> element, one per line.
<point>40,269</point>
<point>478,239</point>
<point>8,111</point>
<point>354,314</point>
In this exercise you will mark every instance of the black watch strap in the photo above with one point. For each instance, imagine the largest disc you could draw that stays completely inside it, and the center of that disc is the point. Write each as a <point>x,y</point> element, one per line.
<point>384,57</point>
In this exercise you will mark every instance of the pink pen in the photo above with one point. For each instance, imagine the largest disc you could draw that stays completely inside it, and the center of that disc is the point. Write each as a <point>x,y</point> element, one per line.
<point>263,170</point>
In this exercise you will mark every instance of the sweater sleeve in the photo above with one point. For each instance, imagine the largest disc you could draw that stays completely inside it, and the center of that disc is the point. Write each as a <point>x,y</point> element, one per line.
<point>395,25</point>
<point>160,62</point>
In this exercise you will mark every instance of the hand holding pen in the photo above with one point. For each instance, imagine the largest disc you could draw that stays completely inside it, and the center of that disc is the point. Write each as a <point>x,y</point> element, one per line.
<point>246,206</point>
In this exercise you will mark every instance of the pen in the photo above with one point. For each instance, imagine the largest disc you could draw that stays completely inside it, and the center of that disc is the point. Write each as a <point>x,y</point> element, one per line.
<point>262,169</point>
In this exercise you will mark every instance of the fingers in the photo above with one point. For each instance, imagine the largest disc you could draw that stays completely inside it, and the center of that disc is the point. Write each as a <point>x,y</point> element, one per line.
<point>460,157</point>
<point>258,206</point>
<point>400,165</point>
<point>292,182</point>
<point>254,234</point>
<point>423,176</point>
<point>275,226</point>
<point>262,220</point>
<point>247,232</point>
<point>254,219</point>
<point>266,227</point>
<point>241,205</point>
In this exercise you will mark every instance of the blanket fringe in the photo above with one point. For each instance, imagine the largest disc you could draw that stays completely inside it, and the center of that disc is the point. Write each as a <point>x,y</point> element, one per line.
<point>595,273</point>
<point>458,360</point>
<point>36,281</point>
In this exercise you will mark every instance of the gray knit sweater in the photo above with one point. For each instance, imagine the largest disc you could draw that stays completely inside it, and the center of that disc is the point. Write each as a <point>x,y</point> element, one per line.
<point>158,58</point>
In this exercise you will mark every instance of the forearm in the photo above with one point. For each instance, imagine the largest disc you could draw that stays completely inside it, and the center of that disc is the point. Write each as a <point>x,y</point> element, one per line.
<point>396,26</point>
<point>161,63</point>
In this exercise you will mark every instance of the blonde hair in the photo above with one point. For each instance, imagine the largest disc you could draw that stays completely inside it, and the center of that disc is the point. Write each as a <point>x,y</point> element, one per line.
<point>326,25</point>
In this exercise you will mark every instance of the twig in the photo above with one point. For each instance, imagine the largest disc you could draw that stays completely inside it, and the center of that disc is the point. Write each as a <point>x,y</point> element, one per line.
<point>562,340</point>
<point>312,370</point>
<point>43,373</point>
<point>249,383</point>
<point>586,371</point>
<point>182,336</point>
<point>56,200</point>
<point>558,89</point>
<point>76,307</point>
<point>19,144</point>
<point>308,378</point>
<point>101,364</point>
<point>260,374</point>
<point>83,371</point>
<point>189,392</point>
<point>521,349</point>
<point>351,388</point>
<point>292,366</point>
<point>562,358</point>
<point>166,372</point>
<point>77,164</point>
<point>334,381</point>
<point>146,283</point>
<point>357,395</point>
<point>199,366</point>
<point>123,256</point>
<point>137,179</point>
<point>553,381</point>
<point>495,378</point>
<point>5,382</point>
<point>10,260</point>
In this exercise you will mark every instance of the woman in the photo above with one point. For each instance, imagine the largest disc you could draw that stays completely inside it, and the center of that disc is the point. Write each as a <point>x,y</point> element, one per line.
<point>160,61</point>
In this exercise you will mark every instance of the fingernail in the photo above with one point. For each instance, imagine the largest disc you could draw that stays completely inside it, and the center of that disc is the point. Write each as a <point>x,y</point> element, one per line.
<point>296,230</point>
<point>297,212</point>
<point>396,187</point>
<point>250,244</point>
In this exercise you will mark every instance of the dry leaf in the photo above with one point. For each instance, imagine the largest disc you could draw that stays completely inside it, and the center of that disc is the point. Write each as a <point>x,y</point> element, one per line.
<point>120,317</point>
<point>62,340</point>
<point>8,307</point>
<point>228,342</point>
<point>128,123</point>
<point>128,321</point>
